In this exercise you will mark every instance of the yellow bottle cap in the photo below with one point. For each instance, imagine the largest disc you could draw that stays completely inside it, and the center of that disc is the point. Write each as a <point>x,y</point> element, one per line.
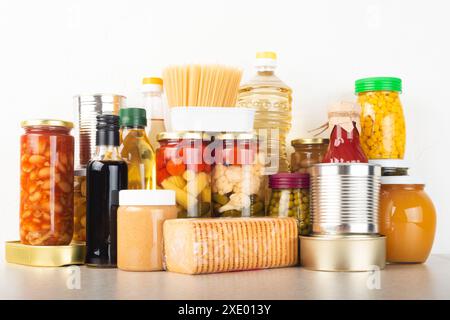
<point>152,80</point>
<point>266,55</point>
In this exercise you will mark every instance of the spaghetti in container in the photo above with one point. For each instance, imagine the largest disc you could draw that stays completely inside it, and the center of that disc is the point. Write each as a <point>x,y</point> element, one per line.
<point>46,183</point>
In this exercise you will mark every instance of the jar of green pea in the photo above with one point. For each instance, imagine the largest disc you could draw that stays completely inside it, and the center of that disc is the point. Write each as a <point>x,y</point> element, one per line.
<point>290,198</point>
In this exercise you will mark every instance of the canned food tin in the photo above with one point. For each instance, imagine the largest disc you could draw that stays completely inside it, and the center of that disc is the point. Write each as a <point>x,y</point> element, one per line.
<point>87,107</point>
<point>345,198</point>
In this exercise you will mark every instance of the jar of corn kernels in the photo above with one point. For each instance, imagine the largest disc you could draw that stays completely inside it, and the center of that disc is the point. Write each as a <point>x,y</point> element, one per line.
<point>383,134</point>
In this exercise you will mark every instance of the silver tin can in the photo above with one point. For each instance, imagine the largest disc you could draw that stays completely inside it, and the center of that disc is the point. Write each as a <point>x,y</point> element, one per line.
<point>345,198</point>
<point>87,107</point>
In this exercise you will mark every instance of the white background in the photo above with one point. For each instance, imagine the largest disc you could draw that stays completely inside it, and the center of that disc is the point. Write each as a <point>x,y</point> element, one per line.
<point>52,50</point>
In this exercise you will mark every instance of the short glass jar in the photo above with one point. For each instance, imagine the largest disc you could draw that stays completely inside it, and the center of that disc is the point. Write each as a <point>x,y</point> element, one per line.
<point>140,218</point>
<point>79,205</point>
<point>290,197</point>
<point>392,167</point>
<point>46,183</point>
<point>237,176</point>
<point>308,151</point>
<point>383,133</point>
<point>181,167</point>
<point>407,219</point>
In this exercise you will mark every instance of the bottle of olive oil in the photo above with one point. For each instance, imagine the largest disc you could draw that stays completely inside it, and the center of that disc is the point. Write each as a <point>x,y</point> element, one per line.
<point>136,149</point>
<point>106,175</point>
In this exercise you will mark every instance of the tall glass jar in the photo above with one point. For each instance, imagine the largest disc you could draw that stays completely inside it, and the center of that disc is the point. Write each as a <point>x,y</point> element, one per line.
<point>46,183</point>
<point>238,175</point>
<point>290,198</point>
<point>383,133</point>
<point>180,166</point>
<point>307,152</point>
<point>407,219</point>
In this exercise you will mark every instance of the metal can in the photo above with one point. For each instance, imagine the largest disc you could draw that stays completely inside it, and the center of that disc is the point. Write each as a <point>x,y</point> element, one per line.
<point>87,107</point>
<point>345,198</point>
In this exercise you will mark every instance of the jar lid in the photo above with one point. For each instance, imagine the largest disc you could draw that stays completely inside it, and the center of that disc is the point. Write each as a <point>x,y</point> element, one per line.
<point>378,84</point>
<point>47,123</point>
<point>237,136</point>
<point>168,136</point>
<point>286,180</point>
<point>152,80</point>
<point>391,163</point>
<point>147,198</point>
<point>304,141</point>
<point>401,180</point>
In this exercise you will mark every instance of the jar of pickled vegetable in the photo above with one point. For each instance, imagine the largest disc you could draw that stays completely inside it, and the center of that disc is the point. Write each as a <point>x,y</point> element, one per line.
<point>182,168</point>
<point>238,175</point>
<point>79,205</point>
<point>290,198</point>
<point>307,153</point>
<point>383,133</point>
<point>46,183</point>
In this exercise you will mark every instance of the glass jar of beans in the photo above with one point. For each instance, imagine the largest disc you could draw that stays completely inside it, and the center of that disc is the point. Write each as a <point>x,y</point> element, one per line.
<point>290,198</point>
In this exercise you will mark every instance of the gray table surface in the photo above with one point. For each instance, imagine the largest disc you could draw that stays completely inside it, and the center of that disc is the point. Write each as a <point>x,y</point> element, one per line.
<point>426,281</point>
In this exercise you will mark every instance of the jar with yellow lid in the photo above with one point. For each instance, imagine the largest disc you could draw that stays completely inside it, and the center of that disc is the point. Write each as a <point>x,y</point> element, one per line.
<point>383,133</point>
<point>308,151</point>
<point>46,183</point>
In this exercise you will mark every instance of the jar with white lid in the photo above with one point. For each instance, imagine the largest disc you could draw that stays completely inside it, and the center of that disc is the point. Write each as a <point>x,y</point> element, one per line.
<point>140,219</point>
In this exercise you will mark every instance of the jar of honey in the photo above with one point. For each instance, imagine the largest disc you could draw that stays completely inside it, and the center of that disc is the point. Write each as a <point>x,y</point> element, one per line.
<point>407,219</point>
<point>46,183</point>
<point>308,151</point>
<point>383,133</point>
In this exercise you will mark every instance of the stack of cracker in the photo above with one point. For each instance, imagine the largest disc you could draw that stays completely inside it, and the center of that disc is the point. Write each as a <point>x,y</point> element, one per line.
<point>195,246</point>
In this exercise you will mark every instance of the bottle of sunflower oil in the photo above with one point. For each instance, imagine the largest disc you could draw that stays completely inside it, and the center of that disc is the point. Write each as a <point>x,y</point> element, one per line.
<point>272,100</point>
<point>136,149</point>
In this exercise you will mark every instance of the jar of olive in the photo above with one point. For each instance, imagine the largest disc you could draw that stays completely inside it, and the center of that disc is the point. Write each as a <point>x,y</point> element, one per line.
<point>290,198</point>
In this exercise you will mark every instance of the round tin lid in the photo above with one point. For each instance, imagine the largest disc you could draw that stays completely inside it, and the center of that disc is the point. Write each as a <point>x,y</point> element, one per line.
<point>47,123</point>
<point>286,180</point>
<point>306,141</point>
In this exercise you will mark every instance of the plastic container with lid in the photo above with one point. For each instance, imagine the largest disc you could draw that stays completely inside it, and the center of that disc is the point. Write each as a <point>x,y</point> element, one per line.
<point>238,176</point>
<point>290,198</point>
<point>180,166</point>
<point>46,183</point>
<point>140,219</point>
<point>407,219</point>
<point>308,151</point>
<point>383,133</point>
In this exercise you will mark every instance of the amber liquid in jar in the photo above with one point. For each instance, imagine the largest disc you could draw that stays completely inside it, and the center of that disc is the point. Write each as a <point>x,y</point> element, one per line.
<point>46,185</point>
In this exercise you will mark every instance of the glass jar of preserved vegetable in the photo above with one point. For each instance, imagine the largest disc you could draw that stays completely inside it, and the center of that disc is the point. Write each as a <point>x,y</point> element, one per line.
<point>46,183</point>
<point>238,174</point>
<point>307,152</point>
<point>290,198</point>
<point>383,133</point>
<point>180,167</point>
<point>79,205</point>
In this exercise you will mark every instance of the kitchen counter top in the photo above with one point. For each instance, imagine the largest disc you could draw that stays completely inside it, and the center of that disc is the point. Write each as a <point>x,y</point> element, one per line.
<point>427,281</point>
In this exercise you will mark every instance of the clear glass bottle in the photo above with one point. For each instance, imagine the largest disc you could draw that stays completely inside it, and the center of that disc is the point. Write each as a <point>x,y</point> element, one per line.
<point>106,175</point>
<point>136,149</point>
<point>152,89</point>
<point>272,100</point>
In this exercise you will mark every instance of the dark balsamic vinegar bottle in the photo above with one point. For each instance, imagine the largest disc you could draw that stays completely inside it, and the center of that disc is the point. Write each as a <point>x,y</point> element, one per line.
<point>106,175</point>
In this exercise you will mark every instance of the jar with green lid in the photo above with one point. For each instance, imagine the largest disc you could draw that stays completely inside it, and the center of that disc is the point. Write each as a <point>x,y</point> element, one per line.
<point>290,197</point>
<point>308,151</point>
<point>383,133</point>
<point>392,167</point>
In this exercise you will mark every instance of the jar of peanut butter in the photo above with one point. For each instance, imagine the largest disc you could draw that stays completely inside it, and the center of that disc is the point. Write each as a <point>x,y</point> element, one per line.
<point>140,219</point>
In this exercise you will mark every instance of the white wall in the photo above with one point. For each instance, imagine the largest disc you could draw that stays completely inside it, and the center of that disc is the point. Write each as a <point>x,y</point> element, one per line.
<point>52,50</point>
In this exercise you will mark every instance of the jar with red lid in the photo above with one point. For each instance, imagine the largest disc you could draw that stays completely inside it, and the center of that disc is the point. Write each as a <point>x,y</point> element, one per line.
<point>238,176</point>
<point>46,183</point>
<point>290,198</point>
<point>181,167</point>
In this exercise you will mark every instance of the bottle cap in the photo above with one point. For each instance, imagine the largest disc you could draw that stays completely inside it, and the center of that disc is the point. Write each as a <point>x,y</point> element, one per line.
<point>378,84</point>
<point>107,130</point>
<point>266,59</point>
<point>286,180</point>
<point>131,117</point>
<point>147,198</point>
<point>152,84</point>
